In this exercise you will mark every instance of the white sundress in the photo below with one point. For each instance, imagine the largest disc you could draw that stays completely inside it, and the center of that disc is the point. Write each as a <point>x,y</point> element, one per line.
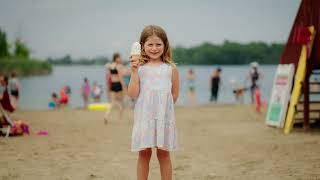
<point>154,118</point>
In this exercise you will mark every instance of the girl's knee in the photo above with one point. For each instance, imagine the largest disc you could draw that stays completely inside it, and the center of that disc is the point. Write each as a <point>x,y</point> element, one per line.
<point>145,154</point>
<point>163,155</point>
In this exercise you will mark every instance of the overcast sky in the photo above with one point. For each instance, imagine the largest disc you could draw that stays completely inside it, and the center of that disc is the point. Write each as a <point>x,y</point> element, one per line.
<point>90,28</point>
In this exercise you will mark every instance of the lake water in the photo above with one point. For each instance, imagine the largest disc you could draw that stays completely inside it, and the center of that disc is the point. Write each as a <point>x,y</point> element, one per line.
<point>36,90</point>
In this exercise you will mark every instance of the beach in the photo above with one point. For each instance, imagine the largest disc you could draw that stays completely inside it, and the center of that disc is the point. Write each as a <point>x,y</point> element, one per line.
<point>215,142</point>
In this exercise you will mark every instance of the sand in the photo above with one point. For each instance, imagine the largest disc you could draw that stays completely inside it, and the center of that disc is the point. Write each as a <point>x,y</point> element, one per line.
<point>216,142</point>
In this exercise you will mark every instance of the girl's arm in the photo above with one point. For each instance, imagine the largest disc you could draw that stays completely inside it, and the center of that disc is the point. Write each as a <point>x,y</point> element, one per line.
<point>175,83</point>
<point>134,84</point>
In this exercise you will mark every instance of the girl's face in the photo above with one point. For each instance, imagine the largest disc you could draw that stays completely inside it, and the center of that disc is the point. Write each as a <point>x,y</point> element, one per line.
<point>154,47</point>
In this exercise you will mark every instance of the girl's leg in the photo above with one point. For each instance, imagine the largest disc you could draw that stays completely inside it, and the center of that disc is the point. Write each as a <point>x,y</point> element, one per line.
<point>143,164</point>
<point>165,164</point>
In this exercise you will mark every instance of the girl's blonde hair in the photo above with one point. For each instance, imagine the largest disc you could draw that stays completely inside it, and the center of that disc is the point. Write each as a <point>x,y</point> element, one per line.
<point>151,30</point>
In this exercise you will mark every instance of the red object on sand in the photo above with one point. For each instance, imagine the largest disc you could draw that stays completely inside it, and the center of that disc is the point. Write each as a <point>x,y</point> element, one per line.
<point>257,94</point>
<point>5,101</point>
<point>43,133</point>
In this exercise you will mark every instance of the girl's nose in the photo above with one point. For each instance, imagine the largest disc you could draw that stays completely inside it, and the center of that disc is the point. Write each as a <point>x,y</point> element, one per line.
<point>154,48</point>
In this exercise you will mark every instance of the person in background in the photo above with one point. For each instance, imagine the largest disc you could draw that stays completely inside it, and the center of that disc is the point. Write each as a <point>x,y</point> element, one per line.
<point>96,92</point>
<point>68,90</point>
<point>85,91</point>
<point>254,76</point>
<point>55,102</point>
<point>64,98</point>
<point>4,92</point>
<point>118,87</point>
<point>191,86</point>
<point>214,84</point>
<point>14,87</point>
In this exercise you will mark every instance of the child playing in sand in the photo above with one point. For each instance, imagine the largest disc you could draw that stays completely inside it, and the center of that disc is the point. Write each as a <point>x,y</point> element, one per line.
<point>155,83</point>
<point>64,98</point>
<point>54,103</point>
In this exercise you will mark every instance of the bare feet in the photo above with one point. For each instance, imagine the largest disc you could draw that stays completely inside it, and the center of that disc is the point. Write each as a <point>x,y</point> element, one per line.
<point>105,120</point>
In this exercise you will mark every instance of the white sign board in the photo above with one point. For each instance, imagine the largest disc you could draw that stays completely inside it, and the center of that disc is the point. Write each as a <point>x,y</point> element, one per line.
<point>280,96</point>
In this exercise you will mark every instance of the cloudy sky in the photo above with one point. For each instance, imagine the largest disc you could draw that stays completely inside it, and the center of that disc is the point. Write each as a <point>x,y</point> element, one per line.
<point>90,28</point>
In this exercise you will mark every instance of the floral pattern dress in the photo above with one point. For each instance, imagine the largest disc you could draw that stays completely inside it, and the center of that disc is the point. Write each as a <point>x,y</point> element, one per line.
<point>154,118</point>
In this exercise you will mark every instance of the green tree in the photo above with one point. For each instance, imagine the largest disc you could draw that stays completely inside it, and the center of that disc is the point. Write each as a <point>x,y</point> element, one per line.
<point>21,49</point>
<point>229,53</point>
<point>4,46</point>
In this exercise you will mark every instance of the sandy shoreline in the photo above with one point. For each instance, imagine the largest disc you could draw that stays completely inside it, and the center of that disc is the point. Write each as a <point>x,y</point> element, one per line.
<point>215,142</point>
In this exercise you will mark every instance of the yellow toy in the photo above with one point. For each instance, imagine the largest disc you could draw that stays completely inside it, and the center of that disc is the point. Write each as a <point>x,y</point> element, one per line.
<point>99,106</point>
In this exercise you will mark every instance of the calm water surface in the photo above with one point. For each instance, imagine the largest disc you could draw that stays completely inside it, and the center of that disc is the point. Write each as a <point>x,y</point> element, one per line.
<point>36,90</point>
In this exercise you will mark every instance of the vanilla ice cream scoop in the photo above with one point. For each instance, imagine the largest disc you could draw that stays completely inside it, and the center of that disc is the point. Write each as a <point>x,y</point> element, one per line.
<point>135,49</point>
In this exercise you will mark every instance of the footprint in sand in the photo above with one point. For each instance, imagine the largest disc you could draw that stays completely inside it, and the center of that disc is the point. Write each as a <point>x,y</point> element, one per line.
<point>181,167</point>
<point>180,157</point>
<point>211,176</point>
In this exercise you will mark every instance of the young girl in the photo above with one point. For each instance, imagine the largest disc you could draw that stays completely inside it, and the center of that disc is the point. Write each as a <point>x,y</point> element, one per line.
<point>155,82</point>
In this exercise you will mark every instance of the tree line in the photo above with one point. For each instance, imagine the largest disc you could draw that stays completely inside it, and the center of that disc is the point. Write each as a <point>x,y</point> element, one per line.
<point>68,60</point>
<point>229,53</point>
<point>17,58</point>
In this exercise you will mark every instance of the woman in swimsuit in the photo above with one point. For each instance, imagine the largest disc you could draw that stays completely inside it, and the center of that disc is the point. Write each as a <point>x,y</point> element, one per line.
<point>115,74</point>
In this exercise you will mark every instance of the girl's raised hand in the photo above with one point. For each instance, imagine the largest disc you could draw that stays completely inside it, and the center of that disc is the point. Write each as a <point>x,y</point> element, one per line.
<point>134,62</point>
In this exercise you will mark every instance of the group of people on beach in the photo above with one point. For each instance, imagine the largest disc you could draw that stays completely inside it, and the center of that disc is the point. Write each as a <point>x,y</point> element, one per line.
<point>87,91</point>
<point>215,84</point>
<point>62,100</point>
